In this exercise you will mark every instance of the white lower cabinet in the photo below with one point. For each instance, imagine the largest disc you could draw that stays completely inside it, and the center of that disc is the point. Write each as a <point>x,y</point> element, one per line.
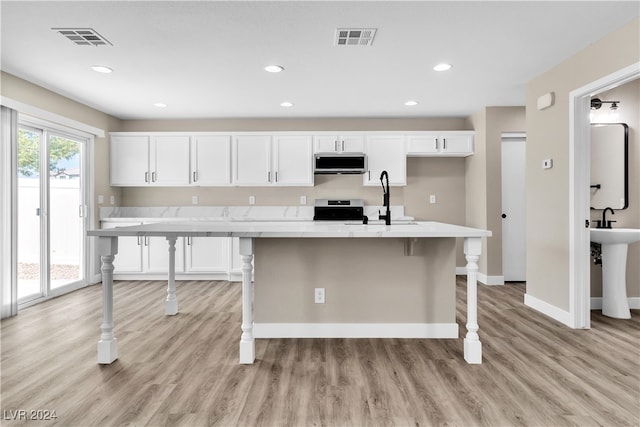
<point>207,254</point>
<point>207,258</point>
<point>155,254</point>
<point>129,256</point>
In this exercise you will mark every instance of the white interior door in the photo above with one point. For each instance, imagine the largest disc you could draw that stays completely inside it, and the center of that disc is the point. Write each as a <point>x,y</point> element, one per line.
<point>513,209</point>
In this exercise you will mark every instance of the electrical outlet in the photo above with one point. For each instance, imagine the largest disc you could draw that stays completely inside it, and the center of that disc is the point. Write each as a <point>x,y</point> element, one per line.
<point>100,199</point>
<point>432,199</point>
<point>112,200</point>
<point>252,200</point>
<point>319,295</point>
<point>194,200</point>
<point>303,200</point>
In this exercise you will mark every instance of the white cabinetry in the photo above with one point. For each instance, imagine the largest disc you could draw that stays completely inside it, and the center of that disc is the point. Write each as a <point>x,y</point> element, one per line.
<point>129,257</point>
<point>440,144</point>
<point>262,160</point>
<point>386,152</point>
<point>207,254</point>
<point>338,143</point>
<point>149,160</point>
<point>211,160</point>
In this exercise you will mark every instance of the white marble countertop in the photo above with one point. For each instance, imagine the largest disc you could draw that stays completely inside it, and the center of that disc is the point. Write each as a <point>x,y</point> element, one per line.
<point>293,229</point>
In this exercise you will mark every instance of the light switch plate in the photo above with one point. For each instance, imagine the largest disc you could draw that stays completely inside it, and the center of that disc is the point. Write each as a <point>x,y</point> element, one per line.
<point>100,199</point>
<point>194,200</point>
<point>432,199</point>
<point>252,200</point>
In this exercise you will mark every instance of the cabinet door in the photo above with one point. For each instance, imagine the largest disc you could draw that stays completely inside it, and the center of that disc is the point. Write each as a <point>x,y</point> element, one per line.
<point>170,160</point>
<point>207,254</point>
<point>386,153</point>
<point>211,160</point>
<point>422,144</point>
<point>156,251</point>
<point>293,160</point>
<point>457,145</point>
<point>129,160</point>
<point>325,144</point>
<point>352,144</point>
<point>252,160</point>
<point>129,256</point>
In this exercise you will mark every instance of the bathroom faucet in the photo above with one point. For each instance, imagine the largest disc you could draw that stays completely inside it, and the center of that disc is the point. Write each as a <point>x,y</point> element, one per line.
<point>385,198</point>
<point>606,224</point>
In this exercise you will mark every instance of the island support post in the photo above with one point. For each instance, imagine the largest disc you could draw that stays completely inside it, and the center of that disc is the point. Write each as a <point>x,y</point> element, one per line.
<point>472,344</point>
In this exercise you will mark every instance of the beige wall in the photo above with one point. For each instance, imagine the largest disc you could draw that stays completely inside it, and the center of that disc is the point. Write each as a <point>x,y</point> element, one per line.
<point>548,137</point>
<point>28,93</point>
<point>629,113</point>
<point>366,281</point>
<point>484,179</point>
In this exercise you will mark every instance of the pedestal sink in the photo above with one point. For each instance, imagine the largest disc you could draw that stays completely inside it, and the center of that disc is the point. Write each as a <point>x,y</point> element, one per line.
<point>615,243</point>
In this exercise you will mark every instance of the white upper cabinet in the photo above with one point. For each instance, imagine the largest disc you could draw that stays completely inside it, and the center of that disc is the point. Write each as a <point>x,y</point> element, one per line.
<point>169,160</point>
<point>129,160</point>
<point>386,152</point>
<point>456,144</point>
<point>262,160</point>
<point>252,160</point>
<point>149,160</point>
<point>338,144</point>
<point>292,161</point>
<point>211,160</point>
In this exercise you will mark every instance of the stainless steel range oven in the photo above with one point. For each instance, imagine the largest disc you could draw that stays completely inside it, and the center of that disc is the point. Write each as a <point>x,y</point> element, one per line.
<point>338,210</point>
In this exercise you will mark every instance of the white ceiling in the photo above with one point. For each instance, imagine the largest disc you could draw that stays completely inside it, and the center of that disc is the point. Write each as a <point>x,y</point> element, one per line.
<point>206,59</point>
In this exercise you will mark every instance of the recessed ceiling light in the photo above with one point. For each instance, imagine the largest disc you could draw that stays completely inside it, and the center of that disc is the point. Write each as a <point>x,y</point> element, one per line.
<point>442,67</point>
<point>286,104</point>
<point>160,105</point>
<point>411,103</point>
<point>273,68</point>
<point>101,69</point>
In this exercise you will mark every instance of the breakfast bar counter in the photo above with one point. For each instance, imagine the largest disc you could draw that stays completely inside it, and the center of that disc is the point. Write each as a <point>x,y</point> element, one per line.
<point>411,248</point>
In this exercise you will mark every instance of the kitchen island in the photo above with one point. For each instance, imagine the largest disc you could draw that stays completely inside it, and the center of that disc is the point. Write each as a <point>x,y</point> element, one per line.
<point>408,240</point>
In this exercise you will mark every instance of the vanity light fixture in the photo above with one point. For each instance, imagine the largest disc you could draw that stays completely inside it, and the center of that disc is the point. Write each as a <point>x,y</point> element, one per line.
<point>596,104</point>
<point>102,69</point>
<point>274,68</point>
<point>442,67</point>
<point>286,104</point>
<point>411,103</point>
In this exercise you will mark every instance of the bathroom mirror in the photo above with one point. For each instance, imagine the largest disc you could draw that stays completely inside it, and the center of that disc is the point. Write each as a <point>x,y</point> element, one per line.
<point>609,165</point>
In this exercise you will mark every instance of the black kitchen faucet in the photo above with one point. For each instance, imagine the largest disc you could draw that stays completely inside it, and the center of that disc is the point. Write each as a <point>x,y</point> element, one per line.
<point>385,198</point>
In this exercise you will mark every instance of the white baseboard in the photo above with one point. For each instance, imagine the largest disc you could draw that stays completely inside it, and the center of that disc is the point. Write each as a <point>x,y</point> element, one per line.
<point>482,278</point>
<point>596,303</point>
<point>355,330</point>
<point>552,311</point>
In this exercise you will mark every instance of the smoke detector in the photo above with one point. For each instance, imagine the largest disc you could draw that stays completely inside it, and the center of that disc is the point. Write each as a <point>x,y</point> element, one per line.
<point>83,36</point>
<point>355,36</point>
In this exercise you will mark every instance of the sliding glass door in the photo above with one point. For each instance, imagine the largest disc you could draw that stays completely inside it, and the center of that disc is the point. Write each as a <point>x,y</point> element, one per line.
<point>51,212</point>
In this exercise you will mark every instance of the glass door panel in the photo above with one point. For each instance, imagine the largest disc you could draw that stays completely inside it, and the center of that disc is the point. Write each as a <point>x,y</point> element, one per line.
<point>66,212</point>
<point>29,208</point>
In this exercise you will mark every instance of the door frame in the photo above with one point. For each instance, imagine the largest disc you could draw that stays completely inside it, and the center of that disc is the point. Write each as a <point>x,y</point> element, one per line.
<point>579,194</point>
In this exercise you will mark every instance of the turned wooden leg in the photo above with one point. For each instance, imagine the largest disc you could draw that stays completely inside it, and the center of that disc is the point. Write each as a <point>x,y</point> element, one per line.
<point>108,345</point>
<point>171,305</point>
<point>472,344</point>
<point>247,341</point>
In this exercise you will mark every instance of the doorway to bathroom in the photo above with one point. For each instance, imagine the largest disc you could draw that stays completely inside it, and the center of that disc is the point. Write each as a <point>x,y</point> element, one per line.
<point>579,191</point>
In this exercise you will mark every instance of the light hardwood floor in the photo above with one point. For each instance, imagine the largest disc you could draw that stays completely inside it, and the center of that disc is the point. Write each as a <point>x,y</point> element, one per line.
<point>184,370</point>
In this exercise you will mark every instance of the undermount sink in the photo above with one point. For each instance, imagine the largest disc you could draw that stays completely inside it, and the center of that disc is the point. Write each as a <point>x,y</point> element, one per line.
<point>614,246</point>
<point>606,236</point>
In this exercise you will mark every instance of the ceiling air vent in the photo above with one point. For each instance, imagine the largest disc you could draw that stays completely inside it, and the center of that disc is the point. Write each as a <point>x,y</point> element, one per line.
<point>83,36</point>
<point>355,36</point>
